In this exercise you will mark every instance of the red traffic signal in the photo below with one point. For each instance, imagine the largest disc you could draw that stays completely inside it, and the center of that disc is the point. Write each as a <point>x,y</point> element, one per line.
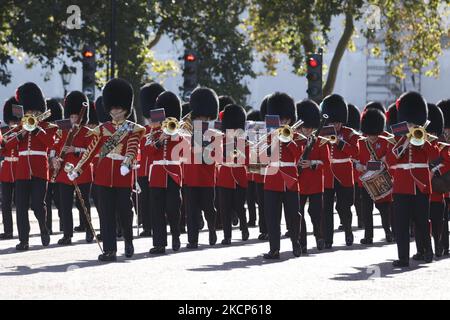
<point>88,53</point>
<point>313,63</point>
<point>190,57</point>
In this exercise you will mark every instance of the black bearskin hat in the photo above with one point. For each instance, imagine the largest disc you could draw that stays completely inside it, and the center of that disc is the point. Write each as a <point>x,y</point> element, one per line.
<point>436,118</point>
<point>102,115</point>
<point>93,119</point>
<point>148,95</point>
<point>204,103</point>
<point>263,108</point>
<point>308,111</point>
<point>73,104</point>
<point>185,109</point>
<point>412,108</point>
<point>118,93</point>
<point>373,122</point>
<point>170,103</point>
<point>391,116</point>
<point>234,117</point>
<point>224,101</point>
<point>444,105</point>
<point>254,115</point>
<point>336,108</point>
<point>283,105</point>
<point>375,105</point>
<point>57,110</point>
<point>354,117</point>
<point>30,96</point>
<point>7,111</point>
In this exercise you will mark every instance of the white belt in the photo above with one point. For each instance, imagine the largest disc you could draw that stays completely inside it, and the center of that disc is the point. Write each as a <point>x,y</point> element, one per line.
<point>233,165</point>
<point>408,166</point>
<point>167,163</point>
<point>282,164</point>
<point>316,162</point>
<point>340,160</point>
<point>32,153</point>
<point>11,159</point>
<point>115,156</point>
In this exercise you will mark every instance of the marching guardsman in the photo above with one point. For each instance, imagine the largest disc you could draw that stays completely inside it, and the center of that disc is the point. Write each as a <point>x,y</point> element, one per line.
<point>200,171</point>
<point>8,171</point>
<point>354,122</point>
<point>148,95</point>
<point>311,172</point>
<point>117,143</point>
<point>410,159</point>
<point>373,147</point>
<point>71,146</point>
<point>439,166</point>
<point>281,179</point>
<point>52,195</point>
<point>232,176</point>
<point>444,105</point>
<point>33,142</point>
<point>339,179</point>
<point>165,148</point>
<point>185,110</point>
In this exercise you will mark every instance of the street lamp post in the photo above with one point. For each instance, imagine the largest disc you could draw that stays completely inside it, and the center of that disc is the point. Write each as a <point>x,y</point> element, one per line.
<point>66,76</point>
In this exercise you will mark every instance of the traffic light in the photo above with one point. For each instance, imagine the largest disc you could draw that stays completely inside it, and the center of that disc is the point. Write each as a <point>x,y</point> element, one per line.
<point>89,67</point>
<point>190,73</point>
<point>314,75</point>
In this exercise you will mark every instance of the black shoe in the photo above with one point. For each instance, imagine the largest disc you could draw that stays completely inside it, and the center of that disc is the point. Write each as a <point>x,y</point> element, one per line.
<point>349,239</point>
<point>79,229</point>
<point>201,224</point>
<point>235,221</point>
<point>445,252</point>
<point>439,251</point>
<point>99,237</point>
<point>287,234</point>
<point>226,242</point>
<point>158,250</point>
<point>296,249</point>
<point>252,224</point>
<point>6,236</point>
<point>65,241</point>
<point>176,244</point>
<point>245,235</point>
<point>145,234</point>
<point>22,246</point>
<point>212,238</point>
<point>320,244</point>
<point>428,257</point>
<point>341,228</point>
<point>328,245</point>
<point>272,255</point>
<point>45,239</point>
<point>400,264</point>
<point>89,237</point>
<point>366,241</point>
<point>263,236</point>
<point>192,246</point>
<point>304,250</point>
<point>108,257</point>
<point>418,257</point>
<point>389,237</point>
<point>129,249</point>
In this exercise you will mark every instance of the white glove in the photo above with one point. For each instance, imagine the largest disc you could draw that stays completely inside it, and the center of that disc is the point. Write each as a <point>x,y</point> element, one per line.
<point>360,167</point>
<point>124,170</point>
<point>72,175</point>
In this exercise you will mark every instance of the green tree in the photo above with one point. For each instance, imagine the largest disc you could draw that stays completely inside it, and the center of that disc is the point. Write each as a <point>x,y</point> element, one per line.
<point>412,31</point>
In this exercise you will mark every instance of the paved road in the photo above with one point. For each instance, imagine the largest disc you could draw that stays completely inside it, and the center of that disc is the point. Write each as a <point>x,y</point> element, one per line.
<point>235,272</point>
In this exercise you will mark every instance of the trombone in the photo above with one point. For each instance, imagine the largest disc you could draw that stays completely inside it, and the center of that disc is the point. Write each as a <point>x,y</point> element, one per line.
<point>416,136</point>
<point>29,122</point>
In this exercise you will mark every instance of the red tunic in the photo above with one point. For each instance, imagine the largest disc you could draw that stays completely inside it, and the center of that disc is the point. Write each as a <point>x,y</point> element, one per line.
<point>233,172</point>
<point>443,167</point>
<point>9,164</point>
<point>311,180</point>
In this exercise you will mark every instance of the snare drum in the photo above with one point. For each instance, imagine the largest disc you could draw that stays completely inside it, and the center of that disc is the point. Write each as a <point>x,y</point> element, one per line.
<point>377,183</point>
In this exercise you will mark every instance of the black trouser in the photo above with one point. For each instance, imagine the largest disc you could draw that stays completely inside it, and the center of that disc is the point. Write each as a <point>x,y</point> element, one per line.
<point>261,215</point>
<point>199,199</point>
<point>7,202</point>
<point>315,208</point>
<point>437,210</point>
<point>231,201</point>
<point>115,201</point>
<point>445,233</point>
<point>367,213</point>
<point>358,203</point>
<point>273,201</point>
<point>145,210</point>
<point>30,192</point>
<point>344,202</point>
<point>66,196</point>
<point>251,201</point>
<point>165,202</point>
<point>417,207</point>
<point>183,209</point>
<point>52,196</point>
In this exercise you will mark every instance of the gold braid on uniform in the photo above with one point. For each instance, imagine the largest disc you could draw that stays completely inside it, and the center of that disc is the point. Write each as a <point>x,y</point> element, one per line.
<point>88,154</point>
<point>133,144</point>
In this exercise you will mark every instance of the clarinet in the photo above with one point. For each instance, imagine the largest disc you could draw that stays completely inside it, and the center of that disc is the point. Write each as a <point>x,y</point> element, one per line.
<point>312,141</point>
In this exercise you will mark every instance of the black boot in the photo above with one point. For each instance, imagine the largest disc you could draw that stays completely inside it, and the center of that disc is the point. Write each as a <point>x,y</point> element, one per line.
<point>6,236</point>
<point>272,255</point>
<point>22,246</point>
<point>65,241</point>
<point>263,237</point>
<point>145,234</point>
<point>245,234</point>
<point>349,239</point>
<point>99,237</point>
<point>192,246</point>
<point>212,237</point>
<point>79,229</point>
<point>400,264</point>
<point>296,249</point>
<point>129,249</point>
<point>428,257</point>
<point>366,241</point>
<point>89,237</point>
<point>328,245</point>
<point>45,239</point>
<point>108,257</point>
<point>320,244</point>
<point>226,242</point>
<point>176,243</point>
<point>389,237</point>
<point>157,250</point>
<point>418,257</point>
